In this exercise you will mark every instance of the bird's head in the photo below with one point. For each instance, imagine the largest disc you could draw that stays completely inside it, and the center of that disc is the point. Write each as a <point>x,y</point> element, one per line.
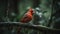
<point>31,11</point>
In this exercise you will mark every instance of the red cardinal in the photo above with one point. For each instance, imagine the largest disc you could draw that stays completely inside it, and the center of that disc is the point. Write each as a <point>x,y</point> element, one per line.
<point>28,16</point>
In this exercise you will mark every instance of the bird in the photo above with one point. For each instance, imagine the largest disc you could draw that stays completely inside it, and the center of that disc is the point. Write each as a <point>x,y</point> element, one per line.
<point>27,16</point>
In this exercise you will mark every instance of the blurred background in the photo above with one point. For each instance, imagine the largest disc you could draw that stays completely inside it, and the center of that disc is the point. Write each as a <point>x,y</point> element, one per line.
<point>46,14</point>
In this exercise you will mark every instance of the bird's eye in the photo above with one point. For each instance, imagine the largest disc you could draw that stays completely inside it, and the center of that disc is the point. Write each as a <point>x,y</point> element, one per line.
<point>25,17</point>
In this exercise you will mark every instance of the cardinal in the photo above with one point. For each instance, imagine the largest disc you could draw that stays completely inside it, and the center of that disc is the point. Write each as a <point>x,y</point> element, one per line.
<point>27,16</point>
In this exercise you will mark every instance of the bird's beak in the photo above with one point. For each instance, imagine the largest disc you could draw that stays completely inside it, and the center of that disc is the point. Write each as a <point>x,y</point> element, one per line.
<point>33,12</point>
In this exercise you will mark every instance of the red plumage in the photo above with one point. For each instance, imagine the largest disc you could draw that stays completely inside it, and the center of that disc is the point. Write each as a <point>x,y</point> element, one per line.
<point>28,16</point>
